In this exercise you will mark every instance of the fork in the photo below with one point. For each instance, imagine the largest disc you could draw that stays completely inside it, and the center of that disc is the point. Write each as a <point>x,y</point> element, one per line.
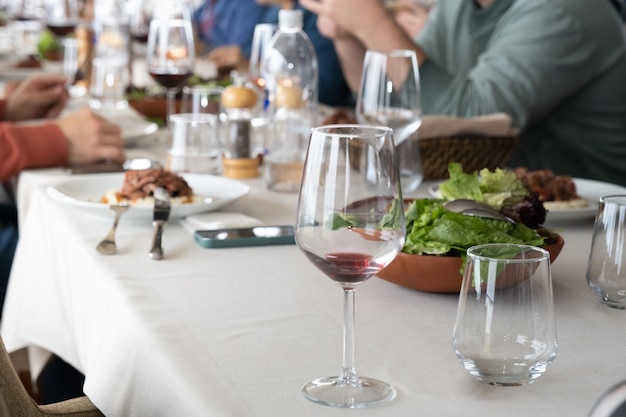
<point>107,245</point>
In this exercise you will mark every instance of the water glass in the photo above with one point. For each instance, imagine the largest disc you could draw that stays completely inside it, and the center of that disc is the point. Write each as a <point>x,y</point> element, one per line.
<point>201,99</point>
<point>109,78</point>
<point>195,145</point>
<point>606,269</point>
<point>263,32</point>
<point>389,95</point>
<point>505,331</point>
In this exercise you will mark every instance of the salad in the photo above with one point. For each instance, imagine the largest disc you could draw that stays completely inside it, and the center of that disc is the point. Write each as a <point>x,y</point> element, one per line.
<point>432,230</point>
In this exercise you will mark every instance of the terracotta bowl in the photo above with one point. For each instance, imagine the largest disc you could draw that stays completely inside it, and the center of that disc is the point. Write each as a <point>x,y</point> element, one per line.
<point>438,274</point>
<point>152,107</point>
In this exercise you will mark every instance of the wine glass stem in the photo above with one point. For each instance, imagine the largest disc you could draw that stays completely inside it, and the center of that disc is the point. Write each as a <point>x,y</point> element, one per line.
<point>348,372</point>
<point>171,99</point>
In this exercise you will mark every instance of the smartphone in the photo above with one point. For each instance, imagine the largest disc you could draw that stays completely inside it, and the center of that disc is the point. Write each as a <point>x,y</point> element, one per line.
<point>246,236</point>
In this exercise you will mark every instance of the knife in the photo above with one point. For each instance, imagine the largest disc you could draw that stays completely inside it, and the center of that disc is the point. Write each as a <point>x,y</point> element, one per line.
<point>159,218</point>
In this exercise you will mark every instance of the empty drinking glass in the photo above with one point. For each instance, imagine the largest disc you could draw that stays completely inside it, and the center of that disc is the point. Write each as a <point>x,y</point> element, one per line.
<point>606,270</point>
<point>505,332</point>
<point>201,99</point>
<point>195,145</point>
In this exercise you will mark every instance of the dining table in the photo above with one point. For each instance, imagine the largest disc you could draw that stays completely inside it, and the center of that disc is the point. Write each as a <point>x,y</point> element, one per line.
<point>238,331</point>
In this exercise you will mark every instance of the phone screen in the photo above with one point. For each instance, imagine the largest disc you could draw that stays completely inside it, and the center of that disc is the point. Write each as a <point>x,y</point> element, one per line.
<point>248,236</point>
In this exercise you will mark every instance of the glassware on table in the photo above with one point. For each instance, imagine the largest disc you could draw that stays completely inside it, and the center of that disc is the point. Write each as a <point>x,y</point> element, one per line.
<point>201,99</point>
<point>389,95</point>
<point>505,331</point>
<point>196,144</point>
<point>140,15</point>
<point>140,12</point>
<point>61,20</point>
<point>350,225</point>
<point>263,32</point>
<point>606,270</point>
<point>61,17</point>
<point>110,75</point>
<point>26,10</point>
<point>171,50</point>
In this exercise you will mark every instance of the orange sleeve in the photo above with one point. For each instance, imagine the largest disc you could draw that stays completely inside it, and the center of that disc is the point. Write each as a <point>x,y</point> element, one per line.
<point>30,146</point>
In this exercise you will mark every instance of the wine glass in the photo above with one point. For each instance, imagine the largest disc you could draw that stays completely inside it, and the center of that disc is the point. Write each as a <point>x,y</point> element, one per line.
<point>389,95</point>
<point>350,224</point>
<point>140,17</point>
<point>61,17</point>
<point>171,50</point>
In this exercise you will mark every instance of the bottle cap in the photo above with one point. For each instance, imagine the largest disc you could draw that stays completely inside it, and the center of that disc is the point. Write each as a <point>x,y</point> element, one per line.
<point>290,19</point>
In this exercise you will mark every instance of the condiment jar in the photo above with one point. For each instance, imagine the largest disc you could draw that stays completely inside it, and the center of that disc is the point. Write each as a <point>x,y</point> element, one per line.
<point>239,159</point>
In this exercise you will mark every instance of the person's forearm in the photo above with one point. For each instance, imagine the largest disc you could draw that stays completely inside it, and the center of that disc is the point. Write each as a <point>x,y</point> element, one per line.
<point>387,36</point>
<point>351,53</point>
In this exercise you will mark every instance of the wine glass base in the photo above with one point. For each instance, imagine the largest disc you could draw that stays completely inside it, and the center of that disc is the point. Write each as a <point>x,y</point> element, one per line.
<point>332,392</point>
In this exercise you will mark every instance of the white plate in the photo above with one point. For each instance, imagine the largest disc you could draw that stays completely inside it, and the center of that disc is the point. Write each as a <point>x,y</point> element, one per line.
<point>589,189</point>
<point>134,128</point>
<point>592,191</point>
<point>85,194</point>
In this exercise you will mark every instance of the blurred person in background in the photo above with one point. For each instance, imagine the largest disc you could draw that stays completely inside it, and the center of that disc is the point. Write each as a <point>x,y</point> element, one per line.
<point>556,67</point>
<point>80,137</point>
<point>333,89</point>
<point>225,29</point>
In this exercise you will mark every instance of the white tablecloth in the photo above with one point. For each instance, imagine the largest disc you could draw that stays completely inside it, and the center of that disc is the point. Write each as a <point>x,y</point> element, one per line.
<point>237,332</point>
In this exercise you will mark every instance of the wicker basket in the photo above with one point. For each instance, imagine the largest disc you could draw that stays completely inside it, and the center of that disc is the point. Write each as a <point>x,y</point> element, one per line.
<point>473,152</point>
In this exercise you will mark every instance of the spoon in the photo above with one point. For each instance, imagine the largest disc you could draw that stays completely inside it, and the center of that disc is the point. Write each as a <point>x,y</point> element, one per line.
<point>474,208</point>
<point>107,245</point>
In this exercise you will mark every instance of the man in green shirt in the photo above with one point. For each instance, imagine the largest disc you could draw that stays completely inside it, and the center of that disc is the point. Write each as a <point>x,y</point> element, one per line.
<point>557,67</point>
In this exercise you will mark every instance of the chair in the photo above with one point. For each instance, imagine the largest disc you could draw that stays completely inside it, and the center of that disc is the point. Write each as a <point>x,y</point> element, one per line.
<point>15,401</point>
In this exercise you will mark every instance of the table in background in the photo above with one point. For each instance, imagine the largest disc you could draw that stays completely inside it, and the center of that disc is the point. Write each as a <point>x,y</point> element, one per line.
<point>237,332</point>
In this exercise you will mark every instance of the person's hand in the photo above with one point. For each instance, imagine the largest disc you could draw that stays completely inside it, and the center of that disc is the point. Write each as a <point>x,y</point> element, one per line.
<point>230,57</point>
<point>349,16</point>
<point>39,96</point>
<point>91,138</point>
<point>412,19</point>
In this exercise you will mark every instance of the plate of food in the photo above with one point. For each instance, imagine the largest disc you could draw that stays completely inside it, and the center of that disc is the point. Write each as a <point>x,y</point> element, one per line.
<point>190,193</point>
<point>439,231</point>
<point>565,198</point>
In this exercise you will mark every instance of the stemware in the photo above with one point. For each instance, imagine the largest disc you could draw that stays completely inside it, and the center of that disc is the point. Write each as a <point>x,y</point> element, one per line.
<point>350,225</point>
<point>389,95</point>
<point>140,17</point>
<point>61,17</point>
<point>171,50</point>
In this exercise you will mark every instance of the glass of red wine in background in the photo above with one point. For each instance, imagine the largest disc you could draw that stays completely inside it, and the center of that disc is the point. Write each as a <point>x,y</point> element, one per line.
<point>171,50</point>
<point>61,20</point>
<point>140,14</point>
<point>350,225</point>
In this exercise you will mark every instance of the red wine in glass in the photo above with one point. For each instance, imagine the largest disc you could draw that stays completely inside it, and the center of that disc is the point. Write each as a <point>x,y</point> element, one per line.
<point>346,267</point>
<point>141,37</point>
<point>61,29</point>
<point>169,79</point>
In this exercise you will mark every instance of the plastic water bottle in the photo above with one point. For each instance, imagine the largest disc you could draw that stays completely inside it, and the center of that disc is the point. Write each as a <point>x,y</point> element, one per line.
<point>290,70</point>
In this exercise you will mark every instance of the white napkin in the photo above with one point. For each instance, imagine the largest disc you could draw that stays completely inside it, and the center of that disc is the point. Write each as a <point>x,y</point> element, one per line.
<point>496,124</point>
<point>218,220</point>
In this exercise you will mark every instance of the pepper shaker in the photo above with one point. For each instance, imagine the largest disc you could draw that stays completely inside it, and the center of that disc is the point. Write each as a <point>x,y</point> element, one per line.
<point>239,102</point>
